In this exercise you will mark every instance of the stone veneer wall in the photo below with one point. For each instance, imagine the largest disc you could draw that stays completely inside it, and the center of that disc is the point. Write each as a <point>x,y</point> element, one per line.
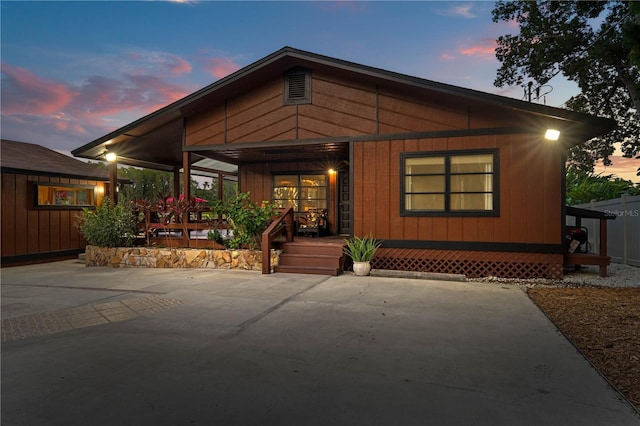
<point>142,257</point>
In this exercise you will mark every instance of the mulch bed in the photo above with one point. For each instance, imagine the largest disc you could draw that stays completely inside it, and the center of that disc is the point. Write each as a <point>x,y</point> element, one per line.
<point>604,324</point>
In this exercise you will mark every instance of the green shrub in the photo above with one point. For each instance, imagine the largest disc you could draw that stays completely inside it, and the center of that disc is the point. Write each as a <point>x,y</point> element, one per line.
<point>108,226</point>
<point>248,220</point>
<point>361,249</point>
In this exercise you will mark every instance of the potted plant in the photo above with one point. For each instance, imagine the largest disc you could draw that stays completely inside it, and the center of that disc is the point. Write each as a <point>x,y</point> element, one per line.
<point>361,251</point>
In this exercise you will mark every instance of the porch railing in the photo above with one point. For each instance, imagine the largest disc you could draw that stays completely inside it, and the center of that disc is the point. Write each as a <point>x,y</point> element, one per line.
<point>283,224</point>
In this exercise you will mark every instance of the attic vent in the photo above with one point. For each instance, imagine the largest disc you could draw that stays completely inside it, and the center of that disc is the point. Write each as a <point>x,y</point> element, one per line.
<point>297,87</point>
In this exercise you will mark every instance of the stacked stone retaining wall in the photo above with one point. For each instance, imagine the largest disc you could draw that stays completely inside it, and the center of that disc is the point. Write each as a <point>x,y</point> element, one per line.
<point>140,257</point>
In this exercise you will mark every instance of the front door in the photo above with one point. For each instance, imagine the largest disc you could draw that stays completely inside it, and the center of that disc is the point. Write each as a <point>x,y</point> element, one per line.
<point>344,204</point>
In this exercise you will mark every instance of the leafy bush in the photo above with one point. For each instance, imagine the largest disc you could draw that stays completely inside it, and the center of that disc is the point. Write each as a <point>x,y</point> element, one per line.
<point>361,249</point>
<point>582,187</point>
<point>248,220</point>
<point>108,226</point>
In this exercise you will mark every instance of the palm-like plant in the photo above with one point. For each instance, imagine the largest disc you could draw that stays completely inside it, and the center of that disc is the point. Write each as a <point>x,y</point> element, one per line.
<point>361,249</point>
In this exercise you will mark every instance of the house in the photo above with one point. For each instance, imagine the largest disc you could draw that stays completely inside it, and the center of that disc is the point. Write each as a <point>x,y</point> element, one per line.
<point>42,192</point>
<point>452,180</point>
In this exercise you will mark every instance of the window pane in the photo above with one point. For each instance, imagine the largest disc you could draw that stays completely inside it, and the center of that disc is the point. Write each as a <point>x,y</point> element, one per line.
<point>424,184</point>
<point>313,204</point>
<point>471,202</point>
<point>300,191</point>
<point>482,163</point>
<point>471,183</point>
<point>313,180</point>
<point>50,195</point>
<point>282,204</point>
<point>310,193</point>
<point>424,165</point>
<point>424,202</point>
<point>285,180</point>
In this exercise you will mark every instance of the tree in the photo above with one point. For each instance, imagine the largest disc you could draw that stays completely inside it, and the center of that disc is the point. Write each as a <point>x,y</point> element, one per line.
<point>582,187</point>
<point>595,44</point>
<point>146,183</point>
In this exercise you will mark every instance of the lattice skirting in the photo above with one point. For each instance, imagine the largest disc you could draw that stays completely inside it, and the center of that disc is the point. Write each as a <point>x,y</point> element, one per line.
<point>473,264</point>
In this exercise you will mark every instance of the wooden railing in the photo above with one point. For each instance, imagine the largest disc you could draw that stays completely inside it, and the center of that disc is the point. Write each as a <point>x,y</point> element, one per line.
<point>149,228</point>
<point>283,224</point>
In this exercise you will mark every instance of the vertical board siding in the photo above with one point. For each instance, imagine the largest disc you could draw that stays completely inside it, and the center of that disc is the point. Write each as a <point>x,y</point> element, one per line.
<point>8,214</point>
<point>395,222</point>
<point>21,224</point>
<point>530,205</point>
<point>383,187</point>
<point>30,231</point>
<point>370,196</point>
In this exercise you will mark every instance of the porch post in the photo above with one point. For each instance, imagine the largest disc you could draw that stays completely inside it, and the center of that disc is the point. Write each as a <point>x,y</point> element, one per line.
<point>186,175</point>
<point>113,182</point>
<point>176,182</point>
<point>220,186</point>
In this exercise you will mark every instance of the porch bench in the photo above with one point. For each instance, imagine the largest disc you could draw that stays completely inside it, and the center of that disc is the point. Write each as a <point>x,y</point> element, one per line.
<point>588,259</point>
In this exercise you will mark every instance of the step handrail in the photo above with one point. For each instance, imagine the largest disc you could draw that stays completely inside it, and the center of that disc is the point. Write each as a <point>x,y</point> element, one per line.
<point>273,231</point>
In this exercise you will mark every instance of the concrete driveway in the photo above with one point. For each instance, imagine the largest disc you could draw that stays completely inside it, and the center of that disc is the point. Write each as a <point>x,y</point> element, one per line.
<point>113,347</point>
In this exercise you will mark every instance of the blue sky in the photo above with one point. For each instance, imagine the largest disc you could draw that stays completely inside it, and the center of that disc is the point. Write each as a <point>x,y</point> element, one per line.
<point>73,71</point>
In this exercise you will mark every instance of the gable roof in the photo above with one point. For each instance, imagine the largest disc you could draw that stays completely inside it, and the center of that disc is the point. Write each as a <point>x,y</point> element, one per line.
<point>22,157</point>
<point>164,127</point>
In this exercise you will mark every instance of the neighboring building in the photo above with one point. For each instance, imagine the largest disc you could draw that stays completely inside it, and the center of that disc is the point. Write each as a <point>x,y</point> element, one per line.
<point>42,192</point>
<point>453,180</point>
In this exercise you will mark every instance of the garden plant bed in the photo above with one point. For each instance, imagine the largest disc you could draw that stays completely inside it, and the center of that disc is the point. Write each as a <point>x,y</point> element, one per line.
<point>604,324</point>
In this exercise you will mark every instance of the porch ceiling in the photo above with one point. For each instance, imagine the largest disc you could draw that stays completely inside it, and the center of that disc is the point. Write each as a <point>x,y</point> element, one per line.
<point>161,149</point>
<point>261,152</point>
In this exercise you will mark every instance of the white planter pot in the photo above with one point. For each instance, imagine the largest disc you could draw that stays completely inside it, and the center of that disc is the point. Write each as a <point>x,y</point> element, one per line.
<point>361,268</point>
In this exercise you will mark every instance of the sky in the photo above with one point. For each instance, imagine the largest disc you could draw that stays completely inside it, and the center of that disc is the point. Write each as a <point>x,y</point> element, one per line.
<point>74,71</point>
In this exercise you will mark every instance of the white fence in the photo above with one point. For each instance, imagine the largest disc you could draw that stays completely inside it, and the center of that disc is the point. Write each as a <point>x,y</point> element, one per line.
<point>623,233</point>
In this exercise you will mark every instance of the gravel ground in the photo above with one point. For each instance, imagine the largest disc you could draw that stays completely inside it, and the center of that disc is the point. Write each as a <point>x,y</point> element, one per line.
<point>618,275</point>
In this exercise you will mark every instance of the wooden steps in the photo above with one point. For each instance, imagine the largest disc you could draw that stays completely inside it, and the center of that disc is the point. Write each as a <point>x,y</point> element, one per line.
<point>311,256</point>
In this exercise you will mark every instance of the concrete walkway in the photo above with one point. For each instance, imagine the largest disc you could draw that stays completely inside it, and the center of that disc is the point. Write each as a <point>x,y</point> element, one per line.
<point>113,347</point>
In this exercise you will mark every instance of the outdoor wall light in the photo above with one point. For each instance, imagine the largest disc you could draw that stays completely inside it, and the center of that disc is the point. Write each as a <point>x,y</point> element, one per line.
<point>110,156</point>
<point>332,172</point>
<point>552,134</point>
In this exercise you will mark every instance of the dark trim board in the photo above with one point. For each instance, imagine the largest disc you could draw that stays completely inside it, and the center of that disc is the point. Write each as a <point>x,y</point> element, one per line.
<point>49,256</point>
<point>475,246</point>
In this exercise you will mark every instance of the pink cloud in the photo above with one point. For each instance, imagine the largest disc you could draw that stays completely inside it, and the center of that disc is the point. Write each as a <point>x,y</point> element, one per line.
<point>180,66</point>
<point>220,67</point>
<point>23,92</point>
<point>483,50</point>
<point>447,56</point>
<point>102,97</point>
<point>32,105</point>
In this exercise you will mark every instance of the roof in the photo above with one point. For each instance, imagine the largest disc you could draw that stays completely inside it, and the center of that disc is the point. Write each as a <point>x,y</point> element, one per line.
<point>590,214</point>
<point>22,157</point>
<point>165,126</point>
